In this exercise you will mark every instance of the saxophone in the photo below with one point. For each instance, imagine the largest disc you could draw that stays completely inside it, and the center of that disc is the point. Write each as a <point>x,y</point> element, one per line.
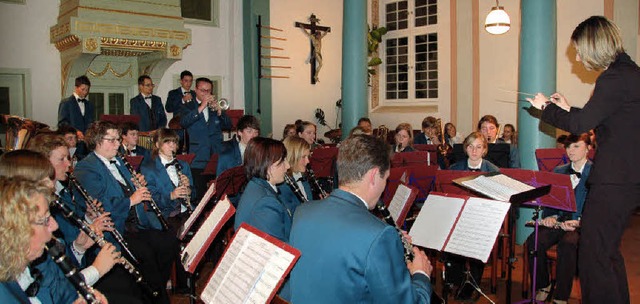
<point>294,187</point>
<point>386,216</point>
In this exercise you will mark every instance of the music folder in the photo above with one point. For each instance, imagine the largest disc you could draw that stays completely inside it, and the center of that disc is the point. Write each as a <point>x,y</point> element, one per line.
<point>459,224</point>
<point>501,187</point>
<point>196,212</point>
<point>198,245</point>
<point>251,269</point>
<point>401,202</point>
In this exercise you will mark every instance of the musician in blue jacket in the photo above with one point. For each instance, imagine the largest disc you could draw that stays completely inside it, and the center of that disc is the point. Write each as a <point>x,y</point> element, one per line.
<point>559,227</point>
<point>177,97</point>
<point>148,106</point>
<point>130,147</point>
<point>76,110</point>
<point>347,254</point>
<point>298,151</point>
<point>232,151</point>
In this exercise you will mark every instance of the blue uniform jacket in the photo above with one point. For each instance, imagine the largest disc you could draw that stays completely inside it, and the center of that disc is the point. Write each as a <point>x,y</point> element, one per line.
<point>229,156</point>
<point>580,192</point>
<point>69,114</point>
<point>290,199</point>
<point>10,292</point>
<point>96,178</point>
<point>55,288</point>
<point>139,107</point>
<point>174,99</point>
<point>160,185</point>
<point>350,256</point>
<point>261,207</point>
<point>485,166</point>
<point>205,137</point>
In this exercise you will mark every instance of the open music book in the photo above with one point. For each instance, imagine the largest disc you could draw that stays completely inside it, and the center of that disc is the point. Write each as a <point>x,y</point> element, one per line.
<point>195,249</point>
<point>458,224</point>
<point>495,185</point>
<point>401,203</point>
<point>251,269</point>
<point>196,212</point>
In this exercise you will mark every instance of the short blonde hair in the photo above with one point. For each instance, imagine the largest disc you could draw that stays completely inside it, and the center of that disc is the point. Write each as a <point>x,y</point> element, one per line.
<point>468,141</point>
<point>17,209</point>
<point>598,42</point>
<point>295,149</point>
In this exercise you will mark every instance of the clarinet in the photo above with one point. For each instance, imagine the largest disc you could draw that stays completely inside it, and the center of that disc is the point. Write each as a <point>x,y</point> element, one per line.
<point>185,201</point>
<point>98,211</point>
<point>84,226</point>
<point>386,215</point>
<point>294,187</point>
<point>56,251</point>
<point>314,182</point>
<point>151,202</point>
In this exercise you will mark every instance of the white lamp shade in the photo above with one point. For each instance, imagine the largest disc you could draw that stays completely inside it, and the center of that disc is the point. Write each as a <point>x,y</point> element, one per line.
<point>497,21</point>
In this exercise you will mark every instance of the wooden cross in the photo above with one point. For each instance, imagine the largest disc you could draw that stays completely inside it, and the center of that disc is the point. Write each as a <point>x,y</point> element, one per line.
<point>315,34</point>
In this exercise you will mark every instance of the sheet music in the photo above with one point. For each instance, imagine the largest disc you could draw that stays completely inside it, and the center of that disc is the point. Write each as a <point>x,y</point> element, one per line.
<point>477,229</point>
<point>248,272</point>
<point>499,187</point>
<point>196,212</point>
<point>398,201</point>
<point>190,252</point>
<point>435,221</point>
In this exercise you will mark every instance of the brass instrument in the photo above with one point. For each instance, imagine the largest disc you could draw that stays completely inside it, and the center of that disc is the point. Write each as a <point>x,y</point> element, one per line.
<point>19,131</point>
<point>386,216</point>
<point>98,211</point>
<point>84,226</point>
<point>314,182</point>
<point>151,202</point>
<point>221,103</point>
<point>56,251</point>
<point>187,200</point>
<point>145,140</point>
<point>294,187</point>
<point>381,132</point>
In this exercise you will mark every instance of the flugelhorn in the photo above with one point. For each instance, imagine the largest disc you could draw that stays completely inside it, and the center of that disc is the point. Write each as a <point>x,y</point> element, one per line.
<point>221,103</point>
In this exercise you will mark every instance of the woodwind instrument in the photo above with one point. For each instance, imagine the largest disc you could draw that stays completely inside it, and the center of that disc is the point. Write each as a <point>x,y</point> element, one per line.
<point>151,202</point>
<point>98,211</point>
<point>184,201</point>
<point>56,251</point>
<point>294,187</point>
<point>84,226</point>
<point>314,182</point>
<point>386,216</point>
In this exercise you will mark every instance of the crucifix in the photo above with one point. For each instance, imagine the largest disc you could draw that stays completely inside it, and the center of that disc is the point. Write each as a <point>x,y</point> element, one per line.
<point>315,34</point>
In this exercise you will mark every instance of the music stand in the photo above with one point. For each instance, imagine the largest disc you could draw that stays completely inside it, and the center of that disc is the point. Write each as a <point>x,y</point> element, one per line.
<point>548,159</point>
<point>395,178</point>
<point>230,182</point>
<point>134,160</point>
<point>118,119</point>
<point>423,177</point>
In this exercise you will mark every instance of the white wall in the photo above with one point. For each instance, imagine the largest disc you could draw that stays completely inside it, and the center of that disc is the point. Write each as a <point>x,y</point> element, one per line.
<point>295,97</point>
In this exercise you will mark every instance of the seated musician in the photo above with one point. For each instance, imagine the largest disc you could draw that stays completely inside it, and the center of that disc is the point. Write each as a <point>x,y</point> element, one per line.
<point>451,135</point>
<point>307,131</point>
<point>298,151</point>
<point>403,138</point>
<point>429,135</point>
<point>130,141</point>
<point>232,150</point>
<point>365,124</point>
<point>25,223</point>
<point>289,130</point>
<point>260,205</point>
<point>347,254</point>
<point>559,227</point>
<point>476,147</point>
<point>488,126</point>
<point>77,149</point>
<point>104,176</point>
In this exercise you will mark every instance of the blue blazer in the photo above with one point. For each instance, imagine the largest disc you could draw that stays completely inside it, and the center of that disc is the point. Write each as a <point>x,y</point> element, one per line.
<point>229,156</point>
<point>261,207</point>
<point>486,166</point>
<point>580,192</point>
<point>350,256</point>
<point>420,139</point>
<point>160,185</point>
<point>205,137</point>
<point>10,292</point>
<point>290,199</point>
<point>174,100</point>
<point>96,178</point>
<point>139,107</point>
<point>69,114</point>
<point>55,288</point>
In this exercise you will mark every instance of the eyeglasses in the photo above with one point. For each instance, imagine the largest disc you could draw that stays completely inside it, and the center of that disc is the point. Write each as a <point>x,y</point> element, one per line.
<point>42,221</point>
<point>113,140</point>
<point>149,85</point>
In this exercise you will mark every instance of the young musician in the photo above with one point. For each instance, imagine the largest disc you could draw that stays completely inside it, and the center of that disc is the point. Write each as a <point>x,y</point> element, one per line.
<point>429,135</point>
<point>476,147</point>
<point>25,227</point>
<point>614,184</point>
<point>77,111</point>
<point>298,151</point>
<point>232,151</point>
<point>260,205</point>
<point>349,255</point>
<point>365,124</point>
<point>559,227</point>
<point>105,178</point>
<point>289,130</point>
<point>403,138</point>
<point>307,131</point>
<point>488,126</point>
<point>181,95</point>
<point>129,131</point>
<point>148,106</point>
<point>77,149</point>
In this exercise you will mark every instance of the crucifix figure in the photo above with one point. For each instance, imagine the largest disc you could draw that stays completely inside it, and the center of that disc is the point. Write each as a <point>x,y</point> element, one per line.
<point>315,34</point>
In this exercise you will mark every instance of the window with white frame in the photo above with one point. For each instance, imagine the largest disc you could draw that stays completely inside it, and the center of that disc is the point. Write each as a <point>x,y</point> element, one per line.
<point>410,50</point>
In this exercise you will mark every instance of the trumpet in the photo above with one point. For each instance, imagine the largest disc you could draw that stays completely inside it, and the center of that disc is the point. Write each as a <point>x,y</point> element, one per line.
<point>221,103</point>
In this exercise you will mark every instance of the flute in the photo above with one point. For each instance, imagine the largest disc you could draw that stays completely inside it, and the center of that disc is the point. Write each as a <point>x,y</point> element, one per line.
<point>151,202</point>
<point>84,226</point>
<point>56,251</point>
<point>386,216</point>
<point>98,211</point>
<point>294,187</point>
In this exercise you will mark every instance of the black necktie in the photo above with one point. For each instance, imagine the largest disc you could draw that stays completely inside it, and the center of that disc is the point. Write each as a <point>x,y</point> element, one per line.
<point>134,150</point>
<point>32,289</point>
<point>578,174</point>
<point>301,179</point>
<point>171,163</point>
<point>113,162</point>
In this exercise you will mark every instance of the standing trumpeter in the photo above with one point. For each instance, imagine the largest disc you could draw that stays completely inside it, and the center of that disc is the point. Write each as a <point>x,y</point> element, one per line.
<point>298,151</point>
<point>148,106</point>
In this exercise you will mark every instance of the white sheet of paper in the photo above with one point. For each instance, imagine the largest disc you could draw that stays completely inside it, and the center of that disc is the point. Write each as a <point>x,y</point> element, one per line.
<point>196,213</point>
<point>477,229</point>
<point>398,201</point>
<point>435,221</point>
<point>499,187</point>
<point>208,226</point>
<point>249,271</point>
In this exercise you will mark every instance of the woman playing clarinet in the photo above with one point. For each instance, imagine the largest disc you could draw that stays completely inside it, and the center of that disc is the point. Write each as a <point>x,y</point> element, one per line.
<point>298,151</point>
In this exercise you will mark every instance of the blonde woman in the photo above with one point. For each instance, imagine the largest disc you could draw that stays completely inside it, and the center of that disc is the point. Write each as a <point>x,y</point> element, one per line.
<point>298,152</point>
